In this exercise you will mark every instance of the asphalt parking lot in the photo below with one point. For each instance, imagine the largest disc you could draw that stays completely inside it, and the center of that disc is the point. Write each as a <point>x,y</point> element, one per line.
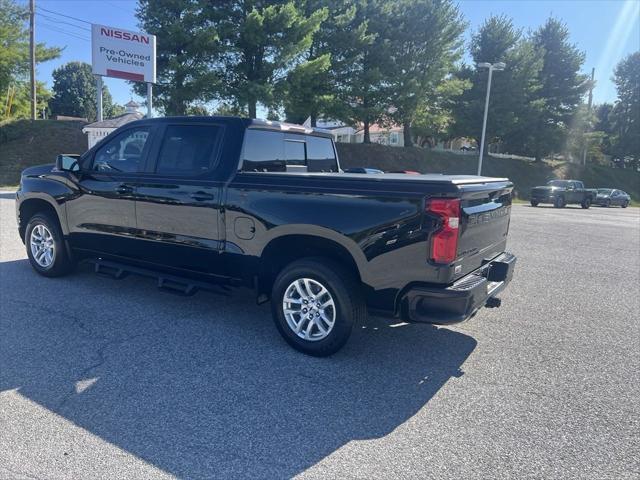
<point>114,379</point>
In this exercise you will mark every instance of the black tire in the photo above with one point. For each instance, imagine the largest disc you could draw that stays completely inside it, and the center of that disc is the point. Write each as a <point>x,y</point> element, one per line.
<point>559,202</point>
<point>607,203</point>
<point>625,205</point>
<point>61,264</point>
<point>534,203</point>
<point>345,291</point>
<point>586,203</point>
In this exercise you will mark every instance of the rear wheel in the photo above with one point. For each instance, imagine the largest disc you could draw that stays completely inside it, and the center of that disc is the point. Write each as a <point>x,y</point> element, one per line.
<point>625,205</point>
<point>586,203</point>
<point>315,304</point>
<point>45,246</point>
<point>559,202</point>
<point>534,203</point>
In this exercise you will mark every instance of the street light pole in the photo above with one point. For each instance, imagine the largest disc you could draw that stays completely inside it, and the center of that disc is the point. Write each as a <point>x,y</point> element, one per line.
<point>491,66</point>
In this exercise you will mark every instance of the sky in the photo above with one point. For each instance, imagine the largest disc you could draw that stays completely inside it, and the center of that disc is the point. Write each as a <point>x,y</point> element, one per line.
<point>606,30</point>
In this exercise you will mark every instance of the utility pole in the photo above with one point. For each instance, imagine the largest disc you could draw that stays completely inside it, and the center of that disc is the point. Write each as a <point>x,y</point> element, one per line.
<point>32,54</point>
<point>584,151</point>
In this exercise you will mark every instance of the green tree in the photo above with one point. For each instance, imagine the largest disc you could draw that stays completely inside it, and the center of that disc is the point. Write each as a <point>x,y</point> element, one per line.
<point>625,114</point>
<point>14,55</point>
<point>357,66</point>
<point>74,93</point>
<point>422,41</point>
<point>512,89</point>
<point>186,54</point>
<point>560,93</point>
<point>263,40</point>
<point>604,123</point>
<point>433,119</point>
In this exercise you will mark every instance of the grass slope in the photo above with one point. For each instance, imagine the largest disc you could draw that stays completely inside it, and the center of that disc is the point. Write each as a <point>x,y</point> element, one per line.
<point>24,143</point>
<point>524,174</point>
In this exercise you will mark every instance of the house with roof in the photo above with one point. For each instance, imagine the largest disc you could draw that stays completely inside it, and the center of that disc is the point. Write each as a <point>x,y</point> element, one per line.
<point>341,132</point>
<point>96,131</point>
<point>392,135</point>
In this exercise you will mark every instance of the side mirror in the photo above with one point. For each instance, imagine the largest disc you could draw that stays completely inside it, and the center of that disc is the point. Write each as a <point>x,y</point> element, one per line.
<point>68,163</point>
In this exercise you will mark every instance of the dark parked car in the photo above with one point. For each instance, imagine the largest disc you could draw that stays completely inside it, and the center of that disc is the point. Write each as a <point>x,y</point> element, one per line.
<point>563,192</point>
<point>406,172</point>
<point>609,197</point>
<point>196,201</point>
<point>363,170</point>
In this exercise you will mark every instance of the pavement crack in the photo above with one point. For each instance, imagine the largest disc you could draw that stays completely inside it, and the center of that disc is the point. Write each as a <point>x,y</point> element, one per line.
<point>101,359</point>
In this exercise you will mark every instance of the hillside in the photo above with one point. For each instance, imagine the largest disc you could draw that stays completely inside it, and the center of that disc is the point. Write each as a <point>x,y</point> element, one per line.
<point>523,174</point>
<point>24,143</point>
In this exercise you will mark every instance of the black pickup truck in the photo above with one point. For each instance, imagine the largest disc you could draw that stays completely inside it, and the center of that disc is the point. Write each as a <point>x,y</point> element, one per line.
<point>562,193</point>
<point>199,201</point>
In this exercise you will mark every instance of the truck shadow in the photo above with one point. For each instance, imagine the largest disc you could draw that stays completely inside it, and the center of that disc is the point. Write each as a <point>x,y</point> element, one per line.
<point>204,386</point>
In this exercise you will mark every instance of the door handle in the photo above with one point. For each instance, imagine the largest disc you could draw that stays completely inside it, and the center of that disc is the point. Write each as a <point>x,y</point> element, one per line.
<point>201,196</point>
<point>124,189</point>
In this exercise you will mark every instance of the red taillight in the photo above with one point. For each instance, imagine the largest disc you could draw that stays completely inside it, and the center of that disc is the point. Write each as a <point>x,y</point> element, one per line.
<point>444,242</point>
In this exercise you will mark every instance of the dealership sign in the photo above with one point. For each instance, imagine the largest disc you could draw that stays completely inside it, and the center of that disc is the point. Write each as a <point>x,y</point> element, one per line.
<point>123,54</point>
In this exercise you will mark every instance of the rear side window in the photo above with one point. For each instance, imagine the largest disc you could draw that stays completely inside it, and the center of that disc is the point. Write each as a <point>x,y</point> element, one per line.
<point>263,151</point>
<point>320,155</point>
<point>188,149</point>
<point>268,151</point>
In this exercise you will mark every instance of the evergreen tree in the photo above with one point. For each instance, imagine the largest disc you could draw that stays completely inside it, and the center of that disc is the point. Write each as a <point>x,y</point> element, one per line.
<point>512,89</point>
<point>14,59</point>
<point>263,40</point>
<point>357,65</point>
<point>422,40</point>
<point>560,93</point>
<point>626,112</point>
<point>187,53</point>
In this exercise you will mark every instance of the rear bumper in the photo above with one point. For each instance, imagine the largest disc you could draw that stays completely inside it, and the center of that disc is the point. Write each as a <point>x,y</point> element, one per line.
<point>461,300</point>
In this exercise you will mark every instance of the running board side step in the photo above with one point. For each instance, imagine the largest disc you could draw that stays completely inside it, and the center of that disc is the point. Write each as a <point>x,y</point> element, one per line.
<point>167,283</point>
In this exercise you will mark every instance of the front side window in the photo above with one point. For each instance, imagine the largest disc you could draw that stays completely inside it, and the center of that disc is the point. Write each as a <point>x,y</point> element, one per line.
<point>188,149</point>
<point>124,153</point>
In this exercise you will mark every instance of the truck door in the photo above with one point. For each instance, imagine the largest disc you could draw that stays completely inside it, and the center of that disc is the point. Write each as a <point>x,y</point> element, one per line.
<point>179,199</point>
<point>102,216</point>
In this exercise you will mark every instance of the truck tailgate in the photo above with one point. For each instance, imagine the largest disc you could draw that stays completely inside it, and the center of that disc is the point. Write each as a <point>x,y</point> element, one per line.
<point>485,212</point>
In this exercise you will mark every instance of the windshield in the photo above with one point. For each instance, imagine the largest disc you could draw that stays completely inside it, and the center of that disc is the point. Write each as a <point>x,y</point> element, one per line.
<point>604,191</point>
<point>558,183</point>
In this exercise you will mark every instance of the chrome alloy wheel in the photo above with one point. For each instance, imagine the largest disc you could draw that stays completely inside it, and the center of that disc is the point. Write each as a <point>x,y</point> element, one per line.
<point>42,246</point>
<point>309,309</point>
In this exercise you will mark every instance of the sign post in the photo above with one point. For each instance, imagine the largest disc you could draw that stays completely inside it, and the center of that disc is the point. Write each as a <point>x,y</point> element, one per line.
<point>99,97</point>
<point>149,100</point>
<point>123,54</point>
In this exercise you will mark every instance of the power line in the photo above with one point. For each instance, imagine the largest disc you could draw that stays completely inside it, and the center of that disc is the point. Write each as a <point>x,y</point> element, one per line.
<point>64,32</point>
<point>66,16</point>
<point>57,20</point>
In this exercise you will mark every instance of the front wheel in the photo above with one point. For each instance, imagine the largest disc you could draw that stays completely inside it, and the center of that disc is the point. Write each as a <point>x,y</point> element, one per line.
<point>45,246</point>
<point>586,203</point>
<point>315,304</point>
<point>559,202</point>
<point>625,205</point>
<point>534,203</point>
